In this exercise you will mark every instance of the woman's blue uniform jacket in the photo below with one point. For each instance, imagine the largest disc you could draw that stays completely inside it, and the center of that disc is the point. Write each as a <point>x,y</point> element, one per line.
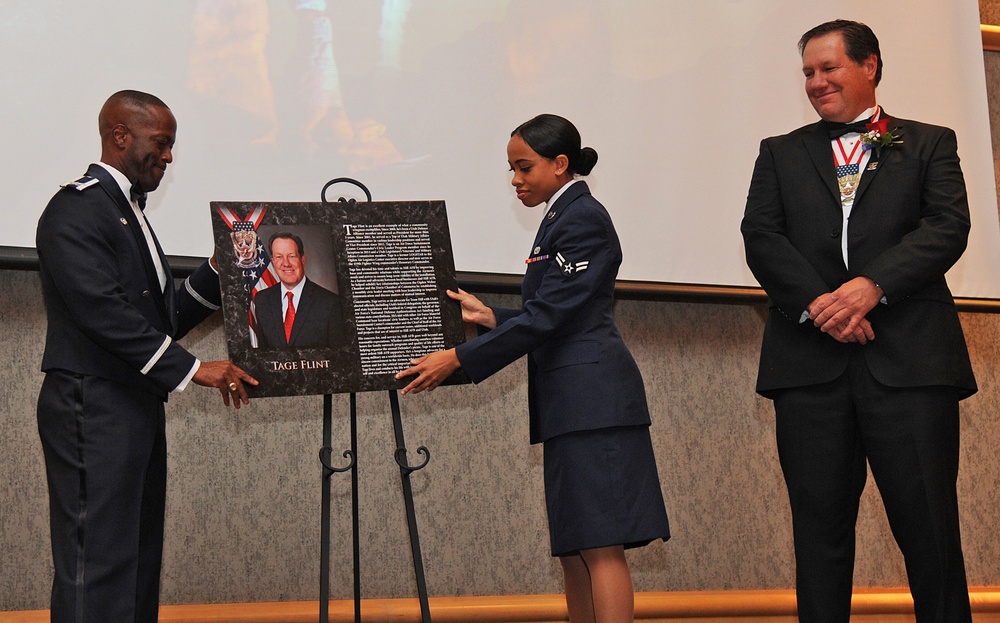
<point>581,376</point>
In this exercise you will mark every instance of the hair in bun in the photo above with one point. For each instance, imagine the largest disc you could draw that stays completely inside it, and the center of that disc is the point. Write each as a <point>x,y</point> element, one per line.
<point>551,136</point>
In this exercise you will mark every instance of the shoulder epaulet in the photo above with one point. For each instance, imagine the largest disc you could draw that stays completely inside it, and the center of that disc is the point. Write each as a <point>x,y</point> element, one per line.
<point>81,183</point>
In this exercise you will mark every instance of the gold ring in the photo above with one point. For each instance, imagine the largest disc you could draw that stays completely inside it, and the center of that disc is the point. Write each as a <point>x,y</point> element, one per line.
<point>233,387</point>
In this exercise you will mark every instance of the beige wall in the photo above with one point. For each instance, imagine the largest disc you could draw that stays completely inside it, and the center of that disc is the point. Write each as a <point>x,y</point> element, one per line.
<point>243,500</point>
<point>242,515</point>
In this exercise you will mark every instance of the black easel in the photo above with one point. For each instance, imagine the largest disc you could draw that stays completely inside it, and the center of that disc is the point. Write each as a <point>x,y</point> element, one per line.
<point>328,470</point>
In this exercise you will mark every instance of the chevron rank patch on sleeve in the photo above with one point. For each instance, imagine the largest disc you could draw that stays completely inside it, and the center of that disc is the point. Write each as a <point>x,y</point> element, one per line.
<point>568,268</point>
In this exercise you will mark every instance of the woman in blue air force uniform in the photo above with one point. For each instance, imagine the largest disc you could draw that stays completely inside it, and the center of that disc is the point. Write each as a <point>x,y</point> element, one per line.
<point>586,400</point>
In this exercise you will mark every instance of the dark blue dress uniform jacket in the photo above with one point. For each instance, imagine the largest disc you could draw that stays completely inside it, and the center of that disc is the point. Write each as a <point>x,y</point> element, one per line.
<point>581,376</point>
<point>106,314</point>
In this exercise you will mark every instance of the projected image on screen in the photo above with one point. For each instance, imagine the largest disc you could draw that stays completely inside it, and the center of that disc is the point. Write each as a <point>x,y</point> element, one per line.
<point>417,98</point>
<point>276,65</point>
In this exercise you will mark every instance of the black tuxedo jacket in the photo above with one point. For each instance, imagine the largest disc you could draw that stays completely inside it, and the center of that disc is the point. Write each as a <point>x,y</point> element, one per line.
<point>908,226</point>
<point>581,376</point>
<point>319,322</point>
<point>107,316</point>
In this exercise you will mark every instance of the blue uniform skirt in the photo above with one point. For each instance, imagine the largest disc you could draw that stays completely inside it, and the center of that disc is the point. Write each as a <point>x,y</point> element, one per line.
<point>601,489</point>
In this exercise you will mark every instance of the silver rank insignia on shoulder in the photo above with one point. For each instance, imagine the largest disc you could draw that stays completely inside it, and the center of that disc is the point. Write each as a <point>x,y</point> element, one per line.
<point>568,268</point>
<point>81,183</point>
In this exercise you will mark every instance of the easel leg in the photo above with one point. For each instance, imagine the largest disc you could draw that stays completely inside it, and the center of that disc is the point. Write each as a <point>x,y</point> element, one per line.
<point>324,540</point>
<point>411,517</point>
<point>355,524</point>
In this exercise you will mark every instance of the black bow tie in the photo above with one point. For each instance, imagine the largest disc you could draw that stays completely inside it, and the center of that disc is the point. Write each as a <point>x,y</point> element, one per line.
<point>839,129</point>
<point>138,195</point>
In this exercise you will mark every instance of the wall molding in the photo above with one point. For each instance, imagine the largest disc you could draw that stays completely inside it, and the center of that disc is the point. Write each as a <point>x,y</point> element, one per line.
<point>991,37</point>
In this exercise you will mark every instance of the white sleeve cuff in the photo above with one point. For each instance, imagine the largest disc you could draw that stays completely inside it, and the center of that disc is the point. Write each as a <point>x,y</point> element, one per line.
<point>190,375</point>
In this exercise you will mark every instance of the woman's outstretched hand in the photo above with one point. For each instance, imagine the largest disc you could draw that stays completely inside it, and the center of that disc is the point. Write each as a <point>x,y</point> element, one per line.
<point>431,370</point>
<point>473,310</point>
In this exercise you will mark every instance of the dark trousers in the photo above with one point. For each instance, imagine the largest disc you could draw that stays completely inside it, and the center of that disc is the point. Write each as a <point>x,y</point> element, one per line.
<point>909,437</point>
<point>105,460</point>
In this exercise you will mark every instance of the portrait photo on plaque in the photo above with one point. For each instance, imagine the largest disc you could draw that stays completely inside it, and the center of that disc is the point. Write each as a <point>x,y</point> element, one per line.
<point>322,298</point>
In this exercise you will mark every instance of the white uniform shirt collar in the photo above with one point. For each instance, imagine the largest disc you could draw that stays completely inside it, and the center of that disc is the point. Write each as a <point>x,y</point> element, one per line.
<point>552,200</point>
<point>147,232</point>
<point>123,183</point>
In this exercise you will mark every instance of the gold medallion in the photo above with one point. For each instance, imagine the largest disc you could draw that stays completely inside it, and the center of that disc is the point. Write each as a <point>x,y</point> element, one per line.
<point>848,184</point>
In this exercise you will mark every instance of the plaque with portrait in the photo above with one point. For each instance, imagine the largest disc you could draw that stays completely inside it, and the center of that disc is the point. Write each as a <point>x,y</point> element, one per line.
<point>322,298</point>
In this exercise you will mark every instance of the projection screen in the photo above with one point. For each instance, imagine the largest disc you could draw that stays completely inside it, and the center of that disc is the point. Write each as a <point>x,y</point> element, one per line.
<point>416,99</point>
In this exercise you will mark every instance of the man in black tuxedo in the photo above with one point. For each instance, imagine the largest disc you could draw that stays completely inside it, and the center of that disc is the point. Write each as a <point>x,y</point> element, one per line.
<point>850,230</point>
<point>111,358</point>
<point>298,313</point>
